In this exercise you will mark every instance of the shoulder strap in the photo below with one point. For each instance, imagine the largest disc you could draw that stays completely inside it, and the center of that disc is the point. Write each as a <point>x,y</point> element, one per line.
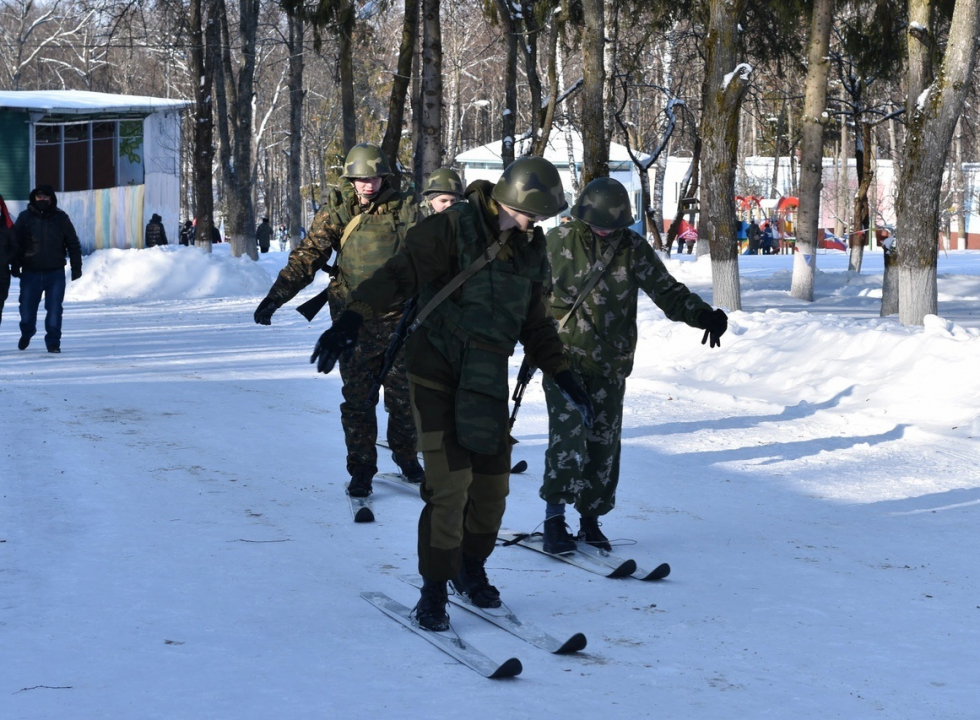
<point>597,271</point>
<point>450,287</point>
<point>351,227</point>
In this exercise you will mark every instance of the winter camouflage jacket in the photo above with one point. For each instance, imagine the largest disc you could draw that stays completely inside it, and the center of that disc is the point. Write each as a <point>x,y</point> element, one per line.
<point>601,335</point>
<point>368,244</point>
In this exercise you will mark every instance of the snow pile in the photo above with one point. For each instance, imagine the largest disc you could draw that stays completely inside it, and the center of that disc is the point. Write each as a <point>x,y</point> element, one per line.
<point>171,272</point>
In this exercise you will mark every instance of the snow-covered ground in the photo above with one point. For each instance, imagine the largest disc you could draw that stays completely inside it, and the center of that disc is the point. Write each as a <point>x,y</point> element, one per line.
<point>175,542</point>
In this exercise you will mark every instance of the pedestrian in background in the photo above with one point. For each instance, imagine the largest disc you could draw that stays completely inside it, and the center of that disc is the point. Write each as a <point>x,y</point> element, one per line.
<point>44,236</point>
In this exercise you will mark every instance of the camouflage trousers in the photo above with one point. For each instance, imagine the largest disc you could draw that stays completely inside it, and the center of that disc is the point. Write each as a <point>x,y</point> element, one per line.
<point>581,466</point>
<point>358,413</point>
<point>465,493</point>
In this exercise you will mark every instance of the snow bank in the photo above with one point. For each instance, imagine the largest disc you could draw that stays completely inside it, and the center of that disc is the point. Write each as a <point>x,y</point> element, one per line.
<point>172,272</point>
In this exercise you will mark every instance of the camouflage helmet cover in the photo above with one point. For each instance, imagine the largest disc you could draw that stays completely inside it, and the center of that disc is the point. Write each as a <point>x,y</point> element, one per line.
<point>605,203</point>
<point>365,161</point>
<point>443,181</point>
<point>531,185</point>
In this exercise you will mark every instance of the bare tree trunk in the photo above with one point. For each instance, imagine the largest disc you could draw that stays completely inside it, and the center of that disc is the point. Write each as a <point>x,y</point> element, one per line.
<point>811,151</point>
<point>548,121</point>
<point>725,84</point>
<point>399,86</point>
<point>595,146</point>
<point>959,192</point>
<point>610,36</point>
<point>294,198</point>
<point>933,107</point>
<point>428,153</point>
<point>202,68</point>
<point>566,124</point>
<point>780,127</point>
<point>345,36</point>
<point>843,181</point>
<point>235,128</point>
<point>529,47</point>
<point>509,115</point>
<point>861,216</point>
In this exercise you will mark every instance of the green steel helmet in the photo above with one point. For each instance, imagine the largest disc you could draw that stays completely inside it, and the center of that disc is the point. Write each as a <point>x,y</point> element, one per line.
<point>605,204</point>
<point>443,181</point>
<point>531,185</point>
<point>366,161</point>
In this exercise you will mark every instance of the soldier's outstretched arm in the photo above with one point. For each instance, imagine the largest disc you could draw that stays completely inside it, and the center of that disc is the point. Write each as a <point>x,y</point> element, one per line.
<point>311,255</point>
<point>670,295</point>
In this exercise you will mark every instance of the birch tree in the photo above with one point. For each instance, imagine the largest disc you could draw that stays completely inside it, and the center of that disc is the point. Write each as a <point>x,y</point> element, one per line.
<point>811,150</point>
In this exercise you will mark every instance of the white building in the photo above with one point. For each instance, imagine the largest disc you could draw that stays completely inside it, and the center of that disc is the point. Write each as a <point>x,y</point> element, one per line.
<point>485,163</point>
<point>113,160</point>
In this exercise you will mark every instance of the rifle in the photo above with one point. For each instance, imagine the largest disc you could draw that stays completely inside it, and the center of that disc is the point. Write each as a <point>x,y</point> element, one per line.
<point>524,376</point>
<point>398,338</point>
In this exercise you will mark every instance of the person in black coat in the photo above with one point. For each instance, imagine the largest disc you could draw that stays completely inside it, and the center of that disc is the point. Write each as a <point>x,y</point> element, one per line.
<point>155,233</point>
<point>187,233</point>
<point>263,233</point>
<point>6,252</point>
<point>44,236</point>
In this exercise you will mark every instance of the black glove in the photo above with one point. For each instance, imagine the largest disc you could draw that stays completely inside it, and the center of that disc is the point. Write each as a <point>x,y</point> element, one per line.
<point>76,273</point>
<point>334,341</point>
<point>573,391</point>
<point>263,313</point>
<point>714,323</point>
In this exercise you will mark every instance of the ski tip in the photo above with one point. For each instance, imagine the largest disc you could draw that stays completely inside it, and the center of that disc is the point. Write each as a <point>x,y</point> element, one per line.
<point>364,515</point>
<point>510,668</point>
<point>624,570</point>
<point>658,573</point>
<point>574,644</point>
<point>520,467</point>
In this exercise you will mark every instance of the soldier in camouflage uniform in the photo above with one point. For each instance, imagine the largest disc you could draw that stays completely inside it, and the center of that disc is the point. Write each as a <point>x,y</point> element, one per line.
<point>582,465</point>
<point>364,222</point>
<point>442,188</point>
<point>457,364</point>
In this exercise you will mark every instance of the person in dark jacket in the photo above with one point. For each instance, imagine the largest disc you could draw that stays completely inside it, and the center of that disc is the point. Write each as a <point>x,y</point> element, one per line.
<point>155,233</point>
<point>6,252</point>
<point>263,233</point>
<point>187,233</point>
<point>44,236</point>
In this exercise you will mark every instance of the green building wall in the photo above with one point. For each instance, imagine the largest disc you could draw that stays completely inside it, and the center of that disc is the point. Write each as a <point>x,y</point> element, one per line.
<point>15,145</point>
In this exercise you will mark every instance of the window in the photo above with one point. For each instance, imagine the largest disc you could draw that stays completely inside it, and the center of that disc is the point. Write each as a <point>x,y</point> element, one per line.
<point>47,155</point>
<point>88,155</point>
<point>76,149</point>
<point>130,152</point>
<point>103,155</point>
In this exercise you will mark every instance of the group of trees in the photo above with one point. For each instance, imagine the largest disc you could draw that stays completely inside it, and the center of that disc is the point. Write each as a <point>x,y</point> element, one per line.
<point>282,89</point>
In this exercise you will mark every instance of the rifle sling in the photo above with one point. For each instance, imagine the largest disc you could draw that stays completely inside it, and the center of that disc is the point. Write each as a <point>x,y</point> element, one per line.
<point>450,287</point>
<point>591,281</point>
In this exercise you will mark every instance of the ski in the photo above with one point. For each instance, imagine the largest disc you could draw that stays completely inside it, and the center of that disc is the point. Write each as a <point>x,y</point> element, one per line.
<point>360,507</point>
<point>504,618</point>
<point>613,561</point>
<point>398,479</point>
<point>449,643</point>
<point>578,558</point>
<point>519,468</point>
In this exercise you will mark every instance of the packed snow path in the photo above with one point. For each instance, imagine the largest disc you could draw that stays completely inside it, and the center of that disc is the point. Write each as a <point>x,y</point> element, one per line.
<point>174,541</point>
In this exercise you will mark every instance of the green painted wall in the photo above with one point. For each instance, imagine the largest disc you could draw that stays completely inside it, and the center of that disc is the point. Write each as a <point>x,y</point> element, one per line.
<point>15,148</point>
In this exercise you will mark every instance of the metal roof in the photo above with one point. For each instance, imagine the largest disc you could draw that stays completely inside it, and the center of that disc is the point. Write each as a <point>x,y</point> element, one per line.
<point>82,102</point>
